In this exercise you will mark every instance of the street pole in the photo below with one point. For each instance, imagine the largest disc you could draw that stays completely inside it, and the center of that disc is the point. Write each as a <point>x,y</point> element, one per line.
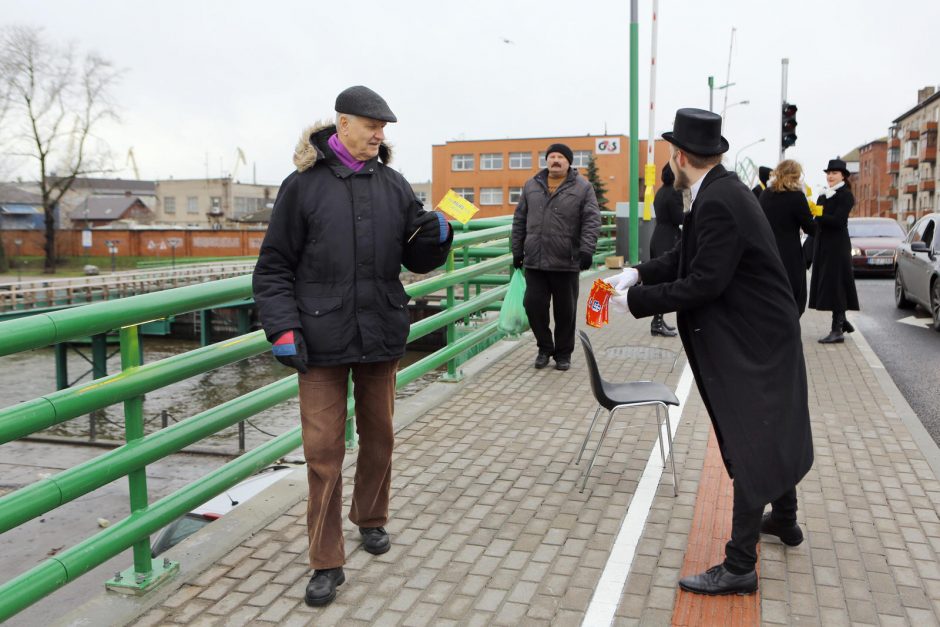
<point>19,262</point>
<point>784,66</point>
<point>711,93</point>
<point>740,150</point>
<point>634,131</point>
<point>649,177</point>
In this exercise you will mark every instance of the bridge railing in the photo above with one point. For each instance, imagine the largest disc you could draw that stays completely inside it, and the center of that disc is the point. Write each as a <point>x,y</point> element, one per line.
<point>135,379</point>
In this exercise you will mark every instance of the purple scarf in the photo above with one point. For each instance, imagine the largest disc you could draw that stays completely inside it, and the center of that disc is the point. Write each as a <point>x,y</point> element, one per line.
<point>343,155</point>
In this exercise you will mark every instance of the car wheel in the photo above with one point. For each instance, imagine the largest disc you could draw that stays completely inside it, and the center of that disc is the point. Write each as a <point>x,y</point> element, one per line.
<point>935,303</point>
<point>900,300</point>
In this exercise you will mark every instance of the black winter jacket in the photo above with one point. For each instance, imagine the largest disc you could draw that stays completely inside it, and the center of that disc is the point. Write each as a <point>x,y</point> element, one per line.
<point>551,230</point>
<point>832,286</point>
<point>330,261</point>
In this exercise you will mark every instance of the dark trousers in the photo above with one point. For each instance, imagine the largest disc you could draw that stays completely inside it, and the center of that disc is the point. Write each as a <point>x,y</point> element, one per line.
<point>561,288</point>
<point>323,427</point>
<point>741,550</point>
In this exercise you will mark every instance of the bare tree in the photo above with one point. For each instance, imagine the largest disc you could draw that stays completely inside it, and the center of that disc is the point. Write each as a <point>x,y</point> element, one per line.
<point>56,102</point>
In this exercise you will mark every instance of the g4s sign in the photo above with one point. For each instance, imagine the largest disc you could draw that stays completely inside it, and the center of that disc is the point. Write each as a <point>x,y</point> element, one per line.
<point>607,146</point>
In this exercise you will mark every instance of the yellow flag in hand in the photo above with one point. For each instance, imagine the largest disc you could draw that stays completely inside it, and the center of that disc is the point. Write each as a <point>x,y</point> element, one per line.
<point>457,207</point>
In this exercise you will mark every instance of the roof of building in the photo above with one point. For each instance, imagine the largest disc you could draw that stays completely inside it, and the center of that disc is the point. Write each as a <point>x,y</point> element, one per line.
<point>104,207</point>
<point>21,210</point>
<point>851,155</point>
<point>115,186</point>
<point>261,215</point>
<point>917,107</point>
<point>547,138</point>
<point>10,193</point>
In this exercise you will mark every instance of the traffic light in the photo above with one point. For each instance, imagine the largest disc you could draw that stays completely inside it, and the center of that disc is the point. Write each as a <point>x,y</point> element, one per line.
<point>788,125</point>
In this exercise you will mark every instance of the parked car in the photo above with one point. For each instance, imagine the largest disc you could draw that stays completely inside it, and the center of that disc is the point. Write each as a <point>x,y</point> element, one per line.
<point>215,508</point>
<point>917,275</point>
<point>874,241</point>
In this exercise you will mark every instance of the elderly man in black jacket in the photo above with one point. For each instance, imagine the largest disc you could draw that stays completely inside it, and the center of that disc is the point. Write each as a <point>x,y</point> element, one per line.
<point>331,302</point>
<point>740,328</point>
<point>554,233</point>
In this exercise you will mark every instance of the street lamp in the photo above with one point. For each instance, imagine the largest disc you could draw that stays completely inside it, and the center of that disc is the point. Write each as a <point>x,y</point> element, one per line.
<point>754,143</point>
<point>19,262</point>
<point>112,248</point>
<point>734,104</point>
<point>711,90</point>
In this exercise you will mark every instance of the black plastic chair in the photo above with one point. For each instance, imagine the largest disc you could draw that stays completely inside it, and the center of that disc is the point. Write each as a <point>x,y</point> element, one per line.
<point>614,396</point>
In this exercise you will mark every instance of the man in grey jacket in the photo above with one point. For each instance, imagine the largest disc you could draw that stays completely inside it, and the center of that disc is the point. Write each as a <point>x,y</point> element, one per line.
<point>554,233</point>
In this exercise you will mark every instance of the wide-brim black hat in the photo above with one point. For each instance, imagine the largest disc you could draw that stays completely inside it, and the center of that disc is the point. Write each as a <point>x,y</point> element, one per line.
<point>838,165</point>
<point>698,132</point>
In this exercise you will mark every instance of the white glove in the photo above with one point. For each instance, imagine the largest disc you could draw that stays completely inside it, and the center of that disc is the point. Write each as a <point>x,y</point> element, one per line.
<point>619,302</point>
<point>628,278</point>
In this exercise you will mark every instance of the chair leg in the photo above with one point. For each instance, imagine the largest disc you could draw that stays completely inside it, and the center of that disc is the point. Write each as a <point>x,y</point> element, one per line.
<point>588,435</point>
<point>587,472</point>
<point>672,458</point>
<point>659,435</point>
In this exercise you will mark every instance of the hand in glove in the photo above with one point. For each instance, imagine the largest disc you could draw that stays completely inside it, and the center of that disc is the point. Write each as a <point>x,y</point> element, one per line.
<point>619,302</point>
<point>628,278</point>
<point>430,227</point>
<point>290,350</point>
<point>586,260</point>
<point>517,261</point>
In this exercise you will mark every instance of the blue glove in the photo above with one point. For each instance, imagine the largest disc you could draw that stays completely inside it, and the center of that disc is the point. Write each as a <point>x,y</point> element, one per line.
<point>290,350</point>
<point>430,227</point>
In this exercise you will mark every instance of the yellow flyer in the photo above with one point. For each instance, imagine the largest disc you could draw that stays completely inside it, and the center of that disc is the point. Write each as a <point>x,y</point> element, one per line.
<point>457,207</point>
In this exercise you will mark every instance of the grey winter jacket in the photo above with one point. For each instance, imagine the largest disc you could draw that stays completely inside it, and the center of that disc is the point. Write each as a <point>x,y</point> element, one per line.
<point>330,261</point>
<point>550,231</point>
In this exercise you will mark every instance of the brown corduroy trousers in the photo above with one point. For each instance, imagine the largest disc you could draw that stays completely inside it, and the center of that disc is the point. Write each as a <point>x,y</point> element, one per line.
<point>323,423</point>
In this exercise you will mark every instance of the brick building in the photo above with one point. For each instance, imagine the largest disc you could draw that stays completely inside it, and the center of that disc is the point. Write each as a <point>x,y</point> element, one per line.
<point>491,173</point>
<point>872,184</point>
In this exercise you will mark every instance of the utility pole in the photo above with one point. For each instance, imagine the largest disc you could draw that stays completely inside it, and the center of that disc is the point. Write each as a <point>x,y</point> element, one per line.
<point>649,177</point>
<point>711,93</point>
<point>784,66</point>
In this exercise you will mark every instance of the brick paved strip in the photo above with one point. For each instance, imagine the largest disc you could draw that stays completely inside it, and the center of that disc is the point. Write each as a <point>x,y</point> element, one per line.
<point>711,528</point>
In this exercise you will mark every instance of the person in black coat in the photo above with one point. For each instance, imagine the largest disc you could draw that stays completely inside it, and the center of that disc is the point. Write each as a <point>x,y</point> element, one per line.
<point>763,176</point>
<point>740,328</point>
<point>668,208</point>
<point>788,212</point>
<point>832,286</point>
<point>332,304</point>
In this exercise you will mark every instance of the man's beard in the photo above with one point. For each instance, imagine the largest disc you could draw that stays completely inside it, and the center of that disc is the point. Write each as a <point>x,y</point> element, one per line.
<point>682,180</point>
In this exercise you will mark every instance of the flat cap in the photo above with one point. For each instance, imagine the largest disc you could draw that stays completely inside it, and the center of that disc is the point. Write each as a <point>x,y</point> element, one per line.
<point>360,100</point>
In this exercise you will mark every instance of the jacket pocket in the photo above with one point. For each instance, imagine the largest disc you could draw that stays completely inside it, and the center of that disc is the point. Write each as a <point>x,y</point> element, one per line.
<point>326,330</point>
<point>396,322</point>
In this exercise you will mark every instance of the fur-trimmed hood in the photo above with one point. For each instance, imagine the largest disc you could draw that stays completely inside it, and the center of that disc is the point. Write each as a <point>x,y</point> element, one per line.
<point>312,146</point>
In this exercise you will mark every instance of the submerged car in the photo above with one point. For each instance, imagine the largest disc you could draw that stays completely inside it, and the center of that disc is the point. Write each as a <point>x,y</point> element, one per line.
<point>917,274</point>
<point>874,241</point>
<point>215,508</point>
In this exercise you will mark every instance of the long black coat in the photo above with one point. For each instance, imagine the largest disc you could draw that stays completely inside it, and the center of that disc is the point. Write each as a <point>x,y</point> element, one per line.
<point>832,286</point>
<point>788,213</point>
<point>330,261</point>
<point>668,208</point>
<point>740,329</point>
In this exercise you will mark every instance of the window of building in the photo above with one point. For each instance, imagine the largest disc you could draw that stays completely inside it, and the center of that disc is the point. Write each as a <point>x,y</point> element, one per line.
<point>581,158</point>
<point>491,195</point>
<point>215,205</point>
<point>542,162</point>
<point>246,206</point>
<point>515,195</point>
<point>520,161</point>
<point>169,204</point>
<point>192,204</point>
<point>422,197</point>
<point>491,161</point>
<point>461,163</point>
<point>466,192</point>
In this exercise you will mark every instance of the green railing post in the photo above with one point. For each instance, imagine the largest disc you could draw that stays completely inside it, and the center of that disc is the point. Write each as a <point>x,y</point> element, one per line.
<point>205,327</point>
<point>453,374</point>
<point>99,355</point>
<point>61,366</point>
<point>146,571</point>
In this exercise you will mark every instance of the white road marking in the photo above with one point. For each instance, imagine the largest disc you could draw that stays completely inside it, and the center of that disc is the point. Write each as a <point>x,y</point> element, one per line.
<point>606,597</point>
<point>914,321</point>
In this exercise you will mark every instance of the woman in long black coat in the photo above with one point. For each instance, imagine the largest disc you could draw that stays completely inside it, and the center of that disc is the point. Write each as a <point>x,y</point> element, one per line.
<point>787,211</point>
<point>832,287</point>
<point>667,206</point>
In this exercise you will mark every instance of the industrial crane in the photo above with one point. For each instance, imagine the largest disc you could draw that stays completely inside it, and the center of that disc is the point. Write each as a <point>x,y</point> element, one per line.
<point>133,162</point>
<point>239,158</point>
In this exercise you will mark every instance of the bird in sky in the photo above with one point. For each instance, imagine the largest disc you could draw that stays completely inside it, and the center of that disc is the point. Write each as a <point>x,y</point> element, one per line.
<point>507,41</point>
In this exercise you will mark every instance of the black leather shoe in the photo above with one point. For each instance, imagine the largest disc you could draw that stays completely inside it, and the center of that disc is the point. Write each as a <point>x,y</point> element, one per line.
<point>719,580</point>
<point>834,337</point>
<point>541,361</point>
<point>791,535</point>
<point>661,330</point>
<point>375,540</point>
<point>322,587</point>
<point>562,364</point>
<point>668,326</point>
<point>847,327</point>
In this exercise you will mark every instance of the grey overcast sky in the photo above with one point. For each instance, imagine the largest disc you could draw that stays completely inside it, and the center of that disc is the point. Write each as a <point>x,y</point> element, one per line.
<point>204,78</point>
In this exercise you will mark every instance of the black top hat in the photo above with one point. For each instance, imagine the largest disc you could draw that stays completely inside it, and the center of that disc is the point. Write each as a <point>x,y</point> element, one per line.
<point>838,165</point>
<point>697,131</point>
<point>362,101</point>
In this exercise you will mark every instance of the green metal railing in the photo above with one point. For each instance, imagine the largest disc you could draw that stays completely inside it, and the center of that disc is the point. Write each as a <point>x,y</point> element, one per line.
<point>135,380</point>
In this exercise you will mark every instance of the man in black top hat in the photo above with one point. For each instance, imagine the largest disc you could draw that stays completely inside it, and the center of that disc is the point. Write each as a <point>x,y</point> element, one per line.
<point>331,303</point>
<point>763,176</point>
<point>554,233</point>
<point>740,328</point>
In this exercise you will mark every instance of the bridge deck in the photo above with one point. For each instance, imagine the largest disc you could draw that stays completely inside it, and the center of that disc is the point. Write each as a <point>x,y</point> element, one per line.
<point>489,527</point>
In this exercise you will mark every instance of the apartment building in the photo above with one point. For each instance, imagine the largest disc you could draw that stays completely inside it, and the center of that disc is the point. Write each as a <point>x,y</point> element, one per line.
<point>213,203</point>
<point>912,158</point>
<point>490,173</point>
